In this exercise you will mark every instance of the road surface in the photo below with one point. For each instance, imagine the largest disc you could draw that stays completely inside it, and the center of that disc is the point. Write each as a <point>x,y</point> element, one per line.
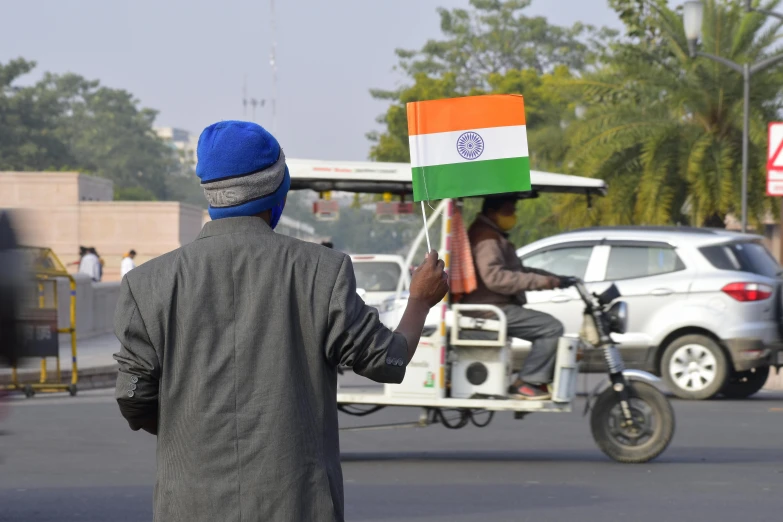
<point>68,459</point>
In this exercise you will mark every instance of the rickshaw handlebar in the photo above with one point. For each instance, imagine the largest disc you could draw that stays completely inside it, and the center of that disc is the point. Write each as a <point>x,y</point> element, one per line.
<point>568,282</point>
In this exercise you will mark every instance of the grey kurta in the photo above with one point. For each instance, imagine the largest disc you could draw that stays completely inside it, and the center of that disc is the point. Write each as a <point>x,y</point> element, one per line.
<point>235,340</point>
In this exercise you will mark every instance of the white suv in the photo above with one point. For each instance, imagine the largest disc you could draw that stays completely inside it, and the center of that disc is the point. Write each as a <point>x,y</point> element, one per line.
<point>704,305</point>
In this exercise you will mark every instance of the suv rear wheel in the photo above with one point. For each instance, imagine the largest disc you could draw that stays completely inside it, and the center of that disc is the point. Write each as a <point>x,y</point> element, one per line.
<point>694,367</point>
<point>744,384</point>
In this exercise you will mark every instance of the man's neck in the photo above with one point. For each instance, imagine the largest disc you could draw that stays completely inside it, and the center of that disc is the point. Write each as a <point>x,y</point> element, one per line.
<point>492,224</point>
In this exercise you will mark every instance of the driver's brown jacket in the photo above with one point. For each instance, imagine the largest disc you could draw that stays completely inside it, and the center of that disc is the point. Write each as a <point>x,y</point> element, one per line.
<point>501,277</point>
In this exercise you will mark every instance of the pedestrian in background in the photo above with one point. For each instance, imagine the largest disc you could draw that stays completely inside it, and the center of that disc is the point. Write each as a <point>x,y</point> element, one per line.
<point>127,263</point>
<point>91,265</point>
<point>78,263</point>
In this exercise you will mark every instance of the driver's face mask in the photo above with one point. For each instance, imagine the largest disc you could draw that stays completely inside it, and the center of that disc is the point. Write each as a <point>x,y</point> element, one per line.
<point>506,223</point>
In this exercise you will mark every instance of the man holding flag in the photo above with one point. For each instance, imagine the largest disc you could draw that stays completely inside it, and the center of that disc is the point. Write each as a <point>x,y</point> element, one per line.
<point>230,347</point>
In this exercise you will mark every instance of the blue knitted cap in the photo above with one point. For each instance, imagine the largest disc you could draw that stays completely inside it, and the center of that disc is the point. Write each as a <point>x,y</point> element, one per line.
<point>242,169</point>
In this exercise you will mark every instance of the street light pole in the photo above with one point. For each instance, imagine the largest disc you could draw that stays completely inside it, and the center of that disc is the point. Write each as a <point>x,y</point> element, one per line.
<point>745,138</point>
<point>693,12</point>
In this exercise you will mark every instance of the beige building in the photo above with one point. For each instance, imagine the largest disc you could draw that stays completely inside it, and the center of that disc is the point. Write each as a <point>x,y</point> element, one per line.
<point>65,210</point>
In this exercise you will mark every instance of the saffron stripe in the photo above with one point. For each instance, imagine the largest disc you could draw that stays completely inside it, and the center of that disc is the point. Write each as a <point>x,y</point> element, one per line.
<point>471,112</point>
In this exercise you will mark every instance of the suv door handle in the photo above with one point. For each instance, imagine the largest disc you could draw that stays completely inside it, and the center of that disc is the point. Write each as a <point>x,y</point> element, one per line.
<point>561,299</point>
<point>662,291</point>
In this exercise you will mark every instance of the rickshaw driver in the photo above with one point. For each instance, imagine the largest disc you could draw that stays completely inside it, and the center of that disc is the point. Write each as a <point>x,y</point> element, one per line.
<point>502,281</point>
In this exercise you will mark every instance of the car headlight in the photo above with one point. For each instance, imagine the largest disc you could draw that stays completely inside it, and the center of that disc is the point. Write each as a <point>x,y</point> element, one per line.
<point>618,317</point>
<point>589,332</point>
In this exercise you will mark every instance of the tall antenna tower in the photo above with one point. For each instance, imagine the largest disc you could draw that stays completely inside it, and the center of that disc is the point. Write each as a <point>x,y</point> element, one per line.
<point>273,63</point>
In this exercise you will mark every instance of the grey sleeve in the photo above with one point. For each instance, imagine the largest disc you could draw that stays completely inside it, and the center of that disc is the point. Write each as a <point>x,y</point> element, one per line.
<point>356,336</point>
<point>139,373</point>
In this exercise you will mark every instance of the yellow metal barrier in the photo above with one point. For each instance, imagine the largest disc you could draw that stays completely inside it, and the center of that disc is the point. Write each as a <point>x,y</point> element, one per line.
<point>40,325</point>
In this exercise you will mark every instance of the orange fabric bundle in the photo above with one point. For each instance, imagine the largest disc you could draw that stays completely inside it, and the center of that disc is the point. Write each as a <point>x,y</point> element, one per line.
<point>462,272</point>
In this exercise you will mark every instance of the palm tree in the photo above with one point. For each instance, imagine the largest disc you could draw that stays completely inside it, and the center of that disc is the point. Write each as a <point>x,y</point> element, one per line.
<point>665,130</point>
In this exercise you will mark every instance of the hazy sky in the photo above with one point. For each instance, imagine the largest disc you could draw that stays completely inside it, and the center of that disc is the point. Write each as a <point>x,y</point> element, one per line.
<point>188,58</point>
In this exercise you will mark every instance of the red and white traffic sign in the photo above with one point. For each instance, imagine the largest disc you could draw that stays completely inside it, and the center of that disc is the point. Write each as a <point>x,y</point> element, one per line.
<point>775,159</point>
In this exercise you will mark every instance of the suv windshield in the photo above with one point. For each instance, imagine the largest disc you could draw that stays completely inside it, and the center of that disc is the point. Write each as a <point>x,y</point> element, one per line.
<point>377,277</point>
<point>742,257</point>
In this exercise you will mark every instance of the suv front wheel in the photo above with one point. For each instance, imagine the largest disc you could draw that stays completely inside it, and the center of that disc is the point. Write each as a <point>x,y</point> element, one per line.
<point>694,367</point>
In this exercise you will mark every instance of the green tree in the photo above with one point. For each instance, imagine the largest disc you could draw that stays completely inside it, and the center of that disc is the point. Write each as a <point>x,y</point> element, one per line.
<point>491,47</point>
<point>108,134</point>
<point>66,122</point>
<point>27,140</point>
<point>665,130</point>
<point>639,18</point>
<point>494,37</point>
<point>494,48</point>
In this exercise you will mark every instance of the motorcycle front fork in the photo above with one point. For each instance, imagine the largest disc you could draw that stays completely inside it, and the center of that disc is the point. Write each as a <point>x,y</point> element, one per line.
<point>615,365</point>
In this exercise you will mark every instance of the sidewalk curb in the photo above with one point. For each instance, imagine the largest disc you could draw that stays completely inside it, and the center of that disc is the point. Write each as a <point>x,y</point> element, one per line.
<point>89,378</point>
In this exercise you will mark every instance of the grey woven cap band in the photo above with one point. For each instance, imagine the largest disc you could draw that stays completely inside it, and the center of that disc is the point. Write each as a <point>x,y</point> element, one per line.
<point>235,191</point>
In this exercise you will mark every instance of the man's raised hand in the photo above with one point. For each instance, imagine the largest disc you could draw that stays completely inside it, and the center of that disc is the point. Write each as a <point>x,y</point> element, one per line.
<point>430,282</point>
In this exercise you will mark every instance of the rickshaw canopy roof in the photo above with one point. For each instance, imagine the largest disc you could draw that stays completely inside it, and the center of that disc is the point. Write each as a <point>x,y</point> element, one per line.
<point>376,178</point>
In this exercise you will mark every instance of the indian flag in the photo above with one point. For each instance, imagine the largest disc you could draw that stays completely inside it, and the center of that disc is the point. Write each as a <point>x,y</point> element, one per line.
<point>468,146</point>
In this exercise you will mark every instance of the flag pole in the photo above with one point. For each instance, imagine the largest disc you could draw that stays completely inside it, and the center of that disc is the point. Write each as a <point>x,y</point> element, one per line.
<point>426,230</point>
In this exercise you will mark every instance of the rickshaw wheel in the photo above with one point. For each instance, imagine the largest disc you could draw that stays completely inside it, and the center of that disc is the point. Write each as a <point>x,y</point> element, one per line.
<point>73,390</point>
<point>29,392</point>
<point>650,433</point>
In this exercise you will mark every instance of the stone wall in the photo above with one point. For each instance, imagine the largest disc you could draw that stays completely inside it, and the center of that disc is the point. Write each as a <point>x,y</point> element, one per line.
<point>151,228</point>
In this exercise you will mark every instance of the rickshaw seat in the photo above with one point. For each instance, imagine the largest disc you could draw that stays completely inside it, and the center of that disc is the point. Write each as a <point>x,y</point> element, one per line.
<point>476,331</point>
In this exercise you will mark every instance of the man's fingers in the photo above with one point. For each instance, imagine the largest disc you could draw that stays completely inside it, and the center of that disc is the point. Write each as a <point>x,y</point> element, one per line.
<point>432,257</point>
<point>440,265</point>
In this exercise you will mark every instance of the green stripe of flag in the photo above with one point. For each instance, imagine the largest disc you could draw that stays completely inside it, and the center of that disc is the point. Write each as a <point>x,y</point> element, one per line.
<point>474,178</point>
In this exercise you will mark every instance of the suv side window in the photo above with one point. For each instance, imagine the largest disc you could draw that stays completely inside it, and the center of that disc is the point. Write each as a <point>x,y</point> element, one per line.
<point>743,257</point>
<point>628,262</point>
<point>568,261</point>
